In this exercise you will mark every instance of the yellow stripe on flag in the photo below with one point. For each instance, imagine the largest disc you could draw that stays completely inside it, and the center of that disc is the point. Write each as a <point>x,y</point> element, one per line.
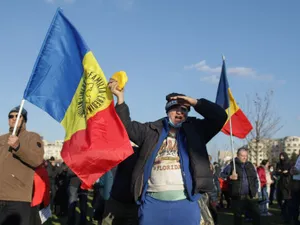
<point>91,96</point>
<point>232,105</point>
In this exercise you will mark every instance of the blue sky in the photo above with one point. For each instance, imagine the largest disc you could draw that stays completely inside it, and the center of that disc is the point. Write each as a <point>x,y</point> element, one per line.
<point>164,46</point>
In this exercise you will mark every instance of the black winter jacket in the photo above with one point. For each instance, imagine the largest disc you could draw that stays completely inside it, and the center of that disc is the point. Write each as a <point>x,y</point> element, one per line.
<point>198,133</point>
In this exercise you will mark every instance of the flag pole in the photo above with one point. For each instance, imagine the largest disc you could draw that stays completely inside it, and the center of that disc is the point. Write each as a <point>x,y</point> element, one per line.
<point>231,136</point>
<point>231,141</point>
<point>18,117</point>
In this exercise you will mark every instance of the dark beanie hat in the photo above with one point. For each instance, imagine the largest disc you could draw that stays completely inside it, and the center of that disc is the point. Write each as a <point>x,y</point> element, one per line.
<point>171,102</point>
<point>264,162</point>
<point>23,112</point>
<point>52,158</point>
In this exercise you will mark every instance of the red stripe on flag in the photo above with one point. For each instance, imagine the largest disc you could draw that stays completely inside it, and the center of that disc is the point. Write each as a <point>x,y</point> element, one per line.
<point>103,145</point>
<point>241,126</point>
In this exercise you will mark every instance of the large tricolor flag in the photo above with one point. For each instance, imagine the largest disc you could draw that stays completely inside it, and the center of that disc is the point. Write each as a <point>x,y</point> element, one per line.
<point>68,83</point>
<point>240,124</point>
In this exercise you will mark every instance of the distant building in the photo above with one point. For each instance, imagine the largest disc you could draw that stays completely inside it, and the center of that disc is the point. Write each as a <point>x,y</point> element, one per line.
<point>277,146</point>
<point>291,145</point>
<point>53,149</point>
<point>271,148</point>
<point>224,156</point>
<point>260,150</point>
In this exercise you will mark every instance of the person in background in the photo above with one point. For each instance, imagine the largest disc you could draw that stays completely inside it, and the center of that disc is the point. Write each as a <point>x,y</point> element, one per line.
<point>273,184</point>
<point>224,186</point>
<point>61,195</point>
<point>102,191</point>
<point>98,201</point>
<point>269,181</point>
<point>284,186</point>
<point>224,193</point>
<point>243,187</point>
<point>75,192</point>
<point>41,194</point>
<point>52,170</point>
<point>262,174</point>
<point>216,175</point>
<point>213,194</point>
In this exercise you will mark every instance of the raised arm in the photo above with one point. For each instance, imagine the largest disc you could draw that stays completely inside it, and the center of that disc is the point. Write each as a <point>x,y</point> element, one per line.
<point>136,131</point>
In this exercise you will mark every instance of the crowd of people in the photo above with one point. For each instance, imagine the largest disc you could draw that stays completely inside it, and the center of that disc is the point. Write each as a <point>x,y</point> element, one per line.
<point>253,188</point>
<point>169,179</point>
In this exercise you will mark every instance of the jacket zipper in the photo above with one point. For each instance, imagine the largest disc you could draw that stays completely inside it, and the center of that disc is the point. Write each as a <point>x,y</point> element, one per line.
<point>142,178</point>
<point>182,167</point>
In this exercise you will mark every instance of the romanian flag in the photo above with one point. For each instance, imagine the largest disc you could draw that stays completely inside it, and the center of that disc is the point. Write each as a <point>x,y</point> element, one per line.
<point>68,83</point>
<point>239,122</point>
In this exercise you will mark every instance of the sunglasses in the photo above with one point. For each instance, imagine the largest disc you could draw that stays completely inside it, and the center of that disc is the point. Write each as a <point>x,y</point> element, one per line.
<point>13,116</point>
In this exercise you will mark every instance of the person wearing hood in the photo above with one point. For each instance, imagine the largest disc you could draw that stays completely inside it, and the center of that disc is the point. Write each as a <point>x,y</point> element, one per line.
<point>284,185</point>
<point>172,168</point>
<point>20,154</point>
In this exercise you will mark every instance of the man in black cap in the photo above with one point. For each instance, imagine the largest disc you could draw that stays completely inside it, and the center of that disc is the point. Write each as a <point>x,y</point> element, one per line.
<point>172,168</point>
<point>19,155</point>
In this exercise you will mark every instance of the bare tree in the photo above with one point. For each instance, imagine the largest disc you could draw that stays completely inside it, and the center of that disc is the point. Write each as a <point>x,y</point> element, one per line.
<point>266,123</point>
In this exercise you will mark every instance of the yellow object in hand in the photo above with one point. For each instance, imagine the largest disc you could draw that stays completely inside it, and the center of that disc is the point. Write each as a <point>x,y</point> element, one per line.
<point>122,79</point>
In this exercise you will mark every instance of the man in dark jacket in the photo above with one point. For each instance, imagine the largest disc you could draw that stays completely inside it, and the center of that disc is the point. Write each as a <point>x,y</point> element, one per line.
<point>173,167</point>
<point>283,169</point>
<point>52,170</point>
<point>20,154</point>
<point>243,186</point>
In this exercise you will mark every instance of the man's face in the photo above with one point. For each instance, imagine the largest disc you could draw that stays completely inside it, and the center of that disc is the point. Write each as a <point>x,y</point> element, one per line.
<point>178,114</point>
<point>282,157</point>
<point>267,165</point>
<point>243,156</point>
<point>12,118</point>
